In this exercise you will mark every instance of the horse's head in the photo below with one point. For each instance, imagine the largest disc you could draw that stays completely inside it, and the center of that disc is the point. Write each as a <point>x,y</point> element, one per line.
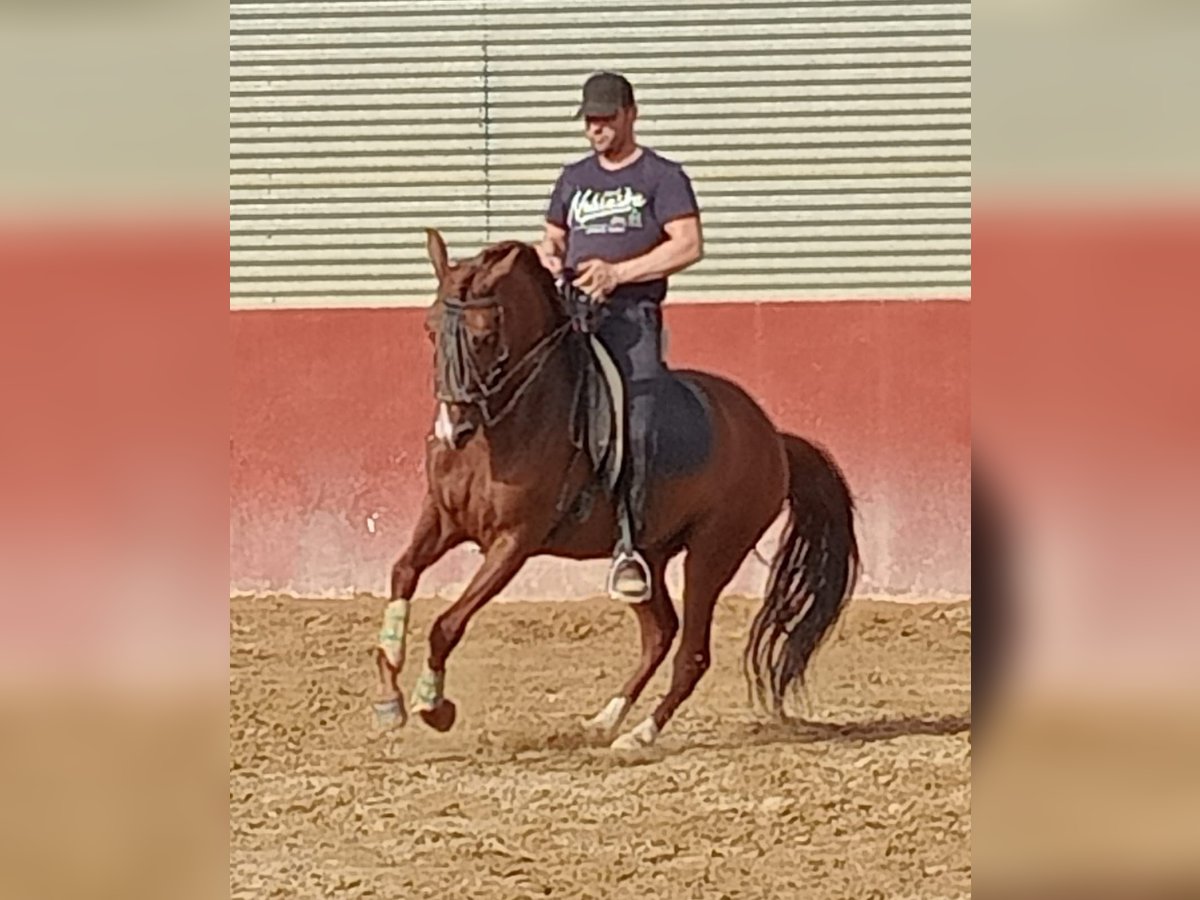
<point>490,320</point>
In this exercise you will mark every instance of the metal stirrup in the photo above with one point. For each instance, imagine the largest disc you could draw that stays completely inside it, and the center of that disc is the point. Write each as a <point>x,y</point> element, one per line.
<point>627,556</point>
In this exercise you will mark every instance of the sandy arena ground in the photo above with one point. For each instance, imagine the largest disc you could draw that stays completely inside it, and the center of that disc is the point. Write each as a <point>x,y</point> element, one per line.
<point>871,799</point>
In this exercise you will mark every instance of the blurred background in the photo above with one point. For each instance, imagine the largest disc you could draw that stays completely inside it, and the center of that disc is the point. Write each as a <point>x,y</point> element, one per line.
<point>1085,245</point>
<point>113,392</point>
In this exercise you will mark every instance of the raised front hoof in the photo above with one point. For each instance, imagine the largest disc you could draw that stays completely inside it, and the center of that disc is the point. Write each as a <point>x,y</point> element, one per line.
<point>441,717</point>
<point>390,714</point>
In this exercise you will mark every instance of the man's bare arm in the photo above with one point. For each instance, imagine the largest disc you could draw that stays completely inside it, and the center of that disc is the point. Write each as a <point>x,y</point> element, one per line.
<point>683,247</point>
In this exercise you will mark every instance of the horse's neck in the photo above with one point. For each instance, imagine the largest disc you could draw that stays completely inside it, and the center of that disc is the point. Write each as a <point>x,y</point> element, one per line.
<point>540,421</point>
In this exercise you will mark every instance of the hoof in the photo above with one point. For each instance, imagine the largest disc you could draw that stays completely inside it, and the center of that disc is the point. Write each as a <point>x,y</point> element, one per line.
<point>390,713</point>
<point>626,742</point>
<point>604,725</point>
<point>640,738</point>
<point>441,717</point>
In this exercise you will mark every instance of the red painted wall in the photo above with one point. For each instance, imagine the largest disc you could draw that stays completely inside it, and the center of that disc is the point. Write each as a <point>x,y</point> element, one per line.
<point>330,409</point>
<point>114,386</point>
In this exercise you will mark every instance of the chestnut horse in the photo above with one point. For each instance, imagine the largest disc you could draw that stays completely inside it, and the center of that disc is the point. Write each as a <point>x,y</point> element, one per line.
<point>502,458</point>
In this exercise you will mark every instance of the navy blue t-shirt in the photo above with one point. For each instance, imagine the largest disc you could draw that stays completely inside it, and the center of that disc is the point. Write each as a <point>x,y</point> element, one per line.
<point>618,215</point>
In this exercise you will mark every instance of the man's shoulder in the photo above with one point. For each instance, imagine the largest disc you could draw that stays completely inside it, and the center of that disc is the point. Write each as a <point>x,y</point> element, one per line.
<point>663,164</point>
<point>584,163</point>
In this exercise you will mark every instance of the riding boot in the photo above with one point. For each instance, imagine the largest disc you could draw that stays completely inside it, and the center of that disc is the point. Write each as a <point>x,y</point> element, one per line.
<point>629,579</point>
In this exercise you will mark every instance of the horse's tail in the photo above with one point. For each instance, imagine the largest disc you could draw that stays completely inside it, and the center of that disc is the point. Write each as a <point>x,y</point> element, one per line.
<point>812,575</point>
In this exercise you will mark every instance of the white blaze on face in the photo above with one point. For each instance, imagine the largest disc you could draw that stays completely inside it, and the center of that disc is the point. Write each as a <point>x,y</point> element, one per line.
<point>442,428</point>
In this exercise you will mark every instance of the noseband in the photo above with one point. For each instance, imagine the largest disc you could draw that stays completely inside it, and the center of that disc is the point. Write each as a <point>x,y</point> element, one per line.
<point>460,379</point>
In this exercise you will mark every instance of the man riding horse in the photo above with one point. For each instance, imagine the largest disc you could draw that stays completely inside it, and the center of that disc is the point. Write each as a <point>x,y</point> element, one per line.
<point>513,368</point>
<point>619,222</point>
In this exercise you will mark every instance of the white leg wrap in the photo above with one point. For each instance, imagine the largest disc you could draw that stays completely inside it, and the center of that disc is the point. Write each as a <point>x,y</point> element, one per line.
<point>610,718</point>
<point>644,735</point>
<point>394,632</point>
<point>429,690</point>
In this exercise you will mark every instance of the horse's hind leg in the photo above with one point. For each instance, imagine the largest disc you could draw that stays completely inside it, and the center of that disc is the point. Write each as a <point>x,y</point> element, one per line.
<point>430,540</point>
<point>709,566</point>
<point>658,624</point>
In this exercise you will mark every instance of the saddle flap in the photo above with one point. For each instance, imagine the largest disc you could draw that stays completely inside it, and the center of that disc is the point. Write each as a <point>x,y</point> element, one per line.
<point>605,413</point>
<point>681,435</point>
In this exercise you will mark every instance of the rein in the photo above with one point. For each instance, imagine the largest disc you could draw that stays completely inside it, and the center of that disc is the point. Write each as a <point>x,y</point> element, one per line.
<point>459,378</point>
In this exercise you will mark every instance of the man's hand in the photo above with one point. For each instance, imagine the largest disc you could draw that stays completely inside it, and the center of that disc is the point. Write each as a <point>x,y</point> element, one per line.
<point>551,261</point>
<point>597,279</point>
<point>551,248</point>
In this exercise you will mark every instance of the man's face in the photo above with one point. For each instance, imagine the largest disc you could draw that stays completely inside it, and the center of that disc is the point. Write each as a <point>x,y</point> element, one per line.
<point>605,131</point>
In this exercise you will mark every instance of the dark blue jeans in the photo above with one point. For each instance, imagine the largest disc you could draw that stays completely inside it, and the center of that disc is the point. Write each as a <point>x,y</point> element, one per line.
<point>631,329</point>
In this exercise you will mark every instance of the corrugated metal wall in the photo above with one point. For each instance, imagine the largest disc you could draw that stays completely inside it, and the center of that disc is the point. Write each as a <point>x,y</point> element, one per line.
<point>829,141</point>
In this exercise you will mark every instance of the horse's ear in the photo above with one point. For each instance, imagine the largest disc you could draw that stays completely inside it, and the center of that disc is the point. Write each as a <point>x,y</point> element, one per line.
<point>495,272</point>
<point>437,253</point>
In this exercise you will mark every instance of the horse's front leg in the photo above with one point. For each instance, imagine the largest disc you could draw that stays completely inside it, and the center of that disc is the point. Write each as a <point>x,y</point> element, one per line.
<point>431,539</point>
<point>501,562</point>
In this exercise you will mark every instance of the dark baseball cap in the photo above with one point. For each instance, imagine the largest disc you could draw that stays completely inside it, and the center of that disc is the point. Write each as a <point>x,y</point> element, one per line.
<point>604,94</point>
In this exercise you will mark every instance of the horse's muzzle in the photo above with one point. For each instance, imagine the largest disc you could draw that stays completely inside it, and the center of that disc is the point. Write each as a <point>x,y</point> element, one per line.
<point>461,433</point>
